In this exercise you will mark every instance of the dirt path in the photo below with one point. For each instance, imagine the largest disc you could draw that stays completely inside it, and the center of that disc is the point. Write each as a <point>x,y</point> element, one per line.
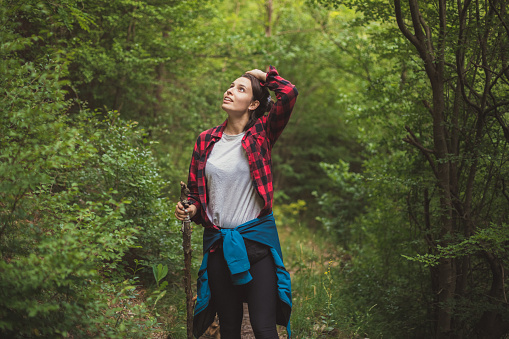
<point>247,331</point>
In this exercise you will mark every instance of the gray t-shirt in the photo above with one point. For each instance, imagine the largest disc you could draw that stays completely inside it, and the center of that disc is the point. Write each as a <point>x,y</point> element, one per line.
<point>233,199</point>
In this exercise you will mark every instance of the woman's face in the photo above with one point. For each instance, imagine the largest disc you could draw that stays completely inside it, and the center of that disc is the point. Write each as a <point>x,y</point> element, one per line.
<point>238,98</point>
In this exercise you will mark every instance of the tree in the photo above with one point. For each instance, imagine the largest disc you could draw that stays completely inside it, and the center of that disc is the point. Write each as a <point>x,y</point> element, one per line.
<point>475,73</point>
<point>77,193</point>
<point>461,135</point>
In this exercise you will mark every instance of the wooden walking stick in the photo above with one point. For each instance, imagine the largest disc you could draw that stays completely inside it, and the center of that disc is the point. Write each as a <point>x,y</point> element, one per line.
<point>186,245</point>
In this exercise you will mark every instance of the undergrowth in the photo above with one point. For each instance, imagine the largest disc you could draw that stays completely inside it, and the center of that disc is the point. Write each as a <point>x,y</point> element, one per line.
<point>319,270</point>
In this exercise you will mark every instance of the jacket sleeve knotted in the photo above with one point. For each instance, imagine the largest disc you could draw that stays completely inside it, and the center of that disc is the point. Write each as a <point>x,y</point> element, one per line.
<point>192,183</point>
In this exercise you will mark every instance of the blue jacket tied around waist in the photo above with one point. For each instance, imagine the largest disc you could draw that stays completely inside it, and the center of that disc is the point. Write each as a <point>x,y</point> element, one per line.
<point>262,230</point>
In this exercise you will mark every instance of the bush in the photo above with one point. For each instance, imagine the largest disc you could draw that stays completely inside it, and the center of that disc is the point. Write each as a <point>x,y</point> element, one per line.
<point>76,194</point>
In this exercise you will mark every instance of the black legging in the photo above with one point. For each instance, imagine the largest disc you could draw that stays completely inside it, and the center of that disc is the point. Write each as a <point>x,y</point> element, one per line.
<point>260,294</point>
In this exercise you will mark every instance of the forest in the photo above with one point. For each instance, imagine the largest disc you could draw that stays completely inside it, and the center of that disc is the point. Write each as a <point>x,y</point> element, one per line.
<point>391,178</point>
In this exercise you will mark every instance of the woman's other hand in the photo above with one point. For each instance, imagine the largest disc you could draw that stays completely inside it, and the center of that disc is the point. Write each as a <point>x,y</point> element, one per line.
<point>184,214</point>
<point>260,75</point>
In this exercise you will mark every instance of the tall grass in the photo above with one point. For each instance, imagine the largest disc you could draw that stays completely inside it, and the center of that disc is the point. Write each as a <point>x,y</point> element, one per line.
<point>319,269</point>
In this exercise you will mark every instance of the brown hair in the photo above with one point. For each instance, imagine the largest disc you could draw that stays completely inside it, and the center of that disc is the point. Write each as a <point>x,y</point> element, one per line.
<point>263,96</point>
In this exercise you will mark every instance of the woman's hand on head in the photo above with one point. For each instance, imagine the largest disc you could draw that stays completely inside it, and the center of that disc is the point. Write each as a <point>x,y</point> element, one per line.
<point>184,214</point>
<point>260,75</point>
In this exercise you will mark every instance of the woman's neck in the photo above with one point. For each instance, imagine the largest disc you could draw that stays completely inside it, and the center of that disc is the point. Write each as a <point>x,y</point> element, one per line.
<point>236,126</point>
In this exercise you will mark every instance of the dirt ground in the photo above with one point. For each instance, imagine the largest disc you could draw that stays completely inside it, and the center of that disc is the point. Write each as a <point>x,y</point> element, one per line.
<point>247,331</point>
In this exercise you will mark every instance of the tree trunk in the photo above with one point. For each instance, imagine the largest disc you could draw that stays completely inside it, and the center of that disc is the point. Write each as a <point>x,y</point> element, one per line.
<point>268,25</point>
<point>446,267</point>
<point>492,325</point>
<point>433,57</point>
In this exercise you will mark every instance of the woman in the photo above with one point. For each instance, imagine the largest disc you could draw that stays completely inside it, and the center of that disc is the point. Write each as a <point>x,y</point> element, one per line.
<point>231,194</point>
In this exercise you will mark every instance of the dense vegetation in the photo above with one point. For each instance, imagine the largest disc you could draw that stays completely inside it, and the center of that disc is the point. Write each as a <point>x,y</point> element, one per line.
<point>391,178</point>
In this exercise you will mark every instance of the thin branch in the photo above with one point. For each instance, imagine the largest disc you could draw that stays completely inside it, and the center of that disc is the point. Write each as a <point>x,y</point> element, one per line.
<point>505,128</point>
<point>297,31</point>
<point>416,20</point>
<point>343,49</point>
<point>499,17</point>
<point>350,71</point>
<point>416,140</point>
<point>404,29</point>
<point>500,104</point>
<point>428,39</point>
<point>13,208</point>
<point>467,100</point>
<point>442,14</point>
<point>503,279</point>
<point>411,211</point>
<point>453,66</point>
<point>427,219</point>
<point>413,140</point>
<point>484,57</point>
<point>498,76</point>
<point>428,107</point>
<point>213,56</point>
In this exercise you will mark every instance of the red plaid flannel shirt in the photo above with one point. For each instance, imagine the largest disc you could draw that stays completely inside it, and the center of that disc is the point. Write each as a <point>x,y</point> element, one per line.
<point>257,142</point>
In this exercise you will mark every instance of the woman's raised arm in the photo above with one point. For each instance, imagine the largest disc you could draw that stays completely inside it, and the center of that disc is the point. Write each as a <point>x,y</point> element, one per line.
<point>286,94</point>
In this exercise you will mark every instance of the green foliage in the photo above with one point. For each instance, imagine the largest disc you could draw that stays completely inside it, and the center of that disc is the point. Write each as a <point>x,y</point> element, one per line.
<point>101,103</point>
<point>78,193</point>
<point>65,234</point>
<point>402,216</point>
<point>160,272</point>
<point>343,202</point>
<point>324,306</point>
<point>490,240</point>
<point>122,61</point>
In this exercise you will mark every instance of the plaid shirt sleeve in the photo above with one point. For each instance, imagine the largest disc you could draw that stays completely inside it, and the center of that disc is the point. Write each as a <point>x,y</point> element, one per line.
<point>265,133</point>
<point>192,182</point>
<point>286,95</point>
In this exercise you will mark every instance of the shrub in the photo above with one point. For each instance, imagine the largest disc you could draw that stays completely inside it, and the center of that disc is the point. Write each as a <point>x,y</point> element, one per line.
<point>76,194</point>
